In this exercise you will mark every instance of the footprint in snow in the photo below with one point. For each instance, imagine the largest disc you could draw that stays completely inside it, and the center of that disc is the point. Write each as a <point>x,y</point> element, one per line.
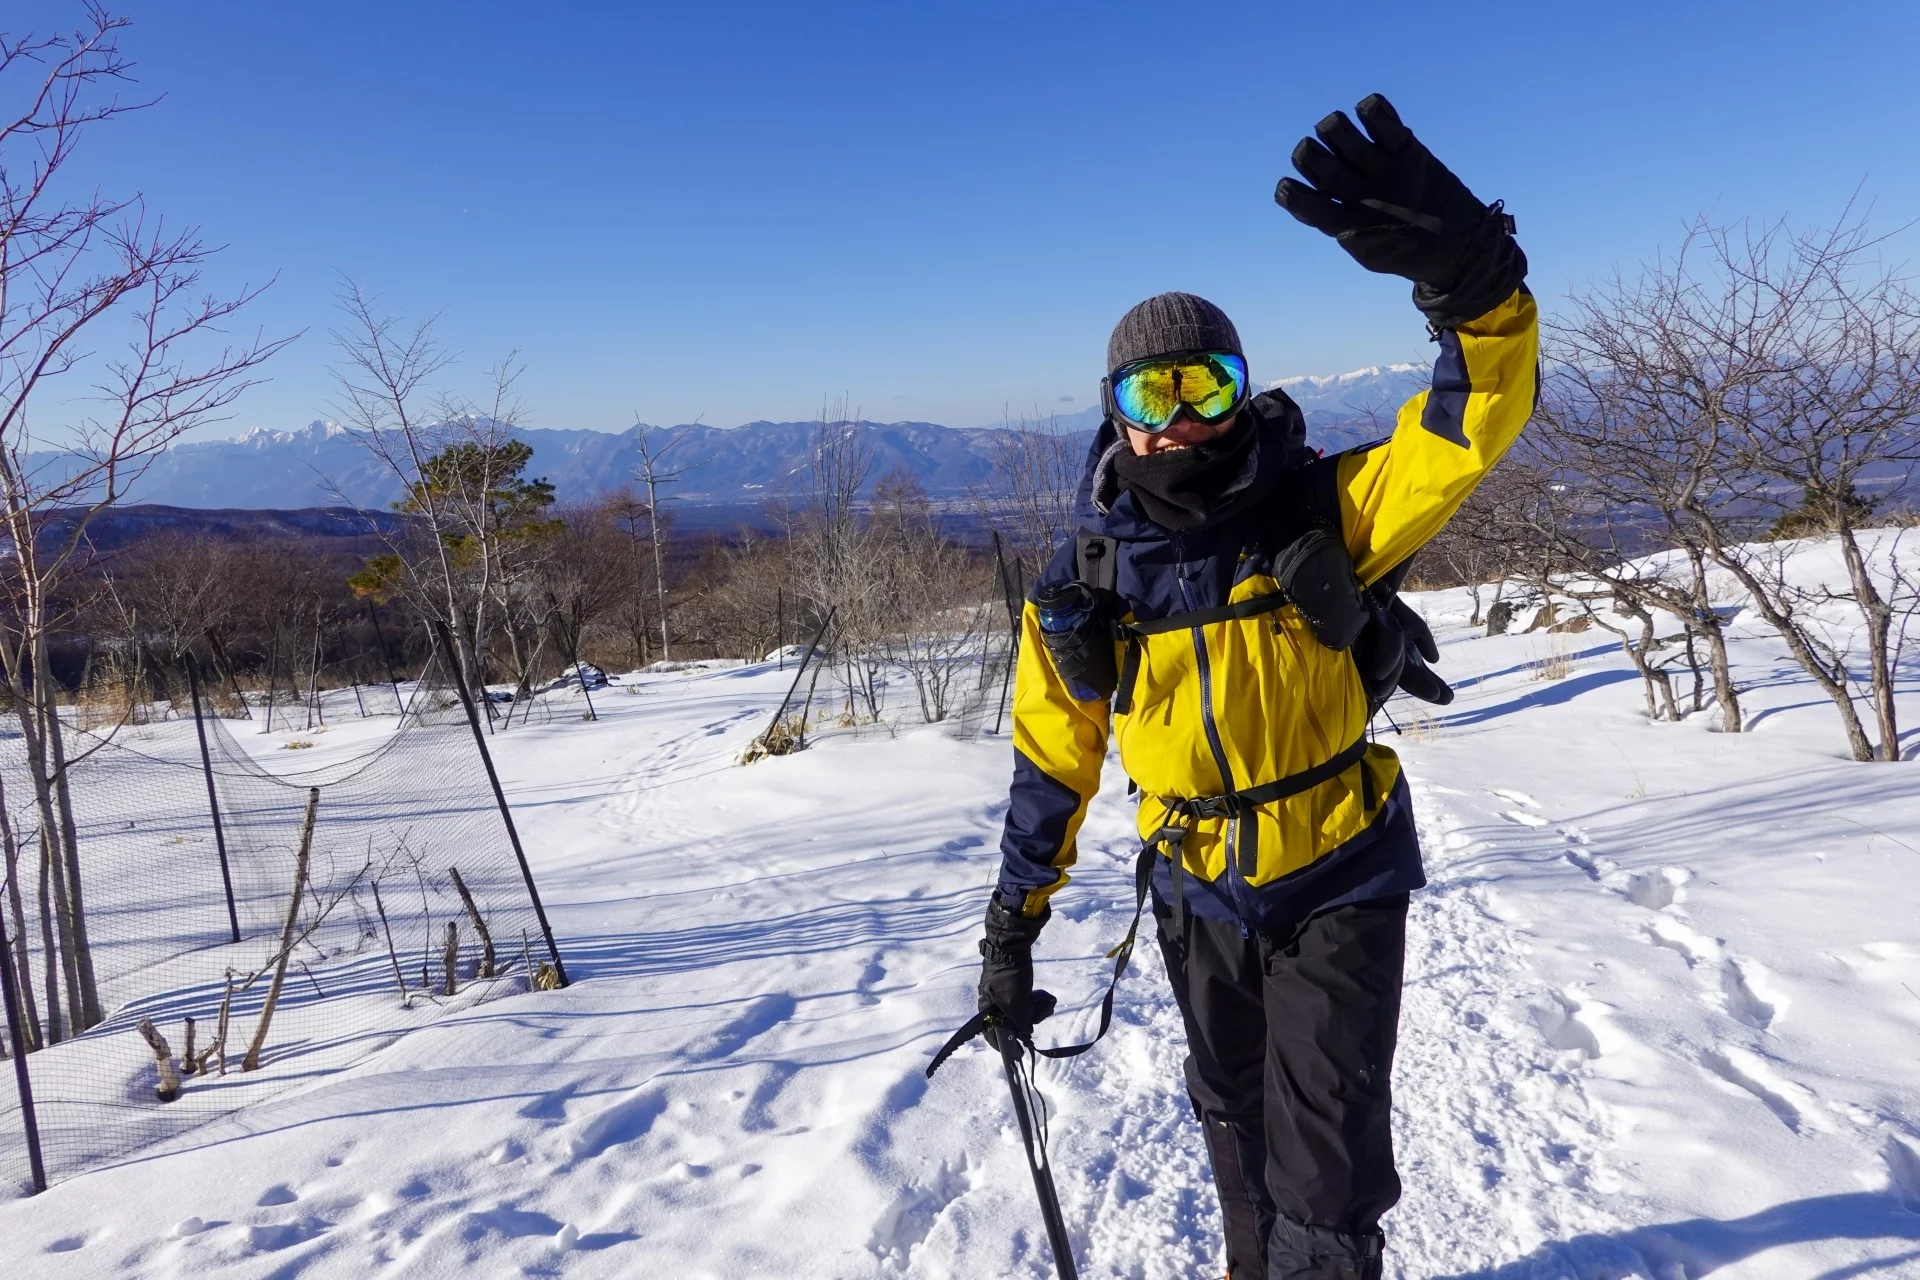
<point>1656,889</point>
<point>270,1237</point>
<point>1747,989</point>
<point>1584,863</point>
<point>1567,1024</point>
<point>1902,1158</point>
<point>1745,986</point>
<point>762,1014</point>
<point>912,1215</point>
<point>1794,1104</point>
<point>626,1120</point>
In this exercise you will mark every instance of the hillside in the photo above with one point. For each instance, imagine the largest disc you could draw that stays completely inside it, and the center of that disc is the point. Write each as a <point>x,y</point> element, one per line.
<point>1659,1020</point>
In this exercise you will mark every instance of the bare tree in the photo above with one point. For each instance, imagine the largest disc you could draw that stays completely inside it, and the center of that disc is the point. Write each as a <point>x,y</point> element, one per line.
<point>1036,474</point>
<point>938,595</point>
<point>837,558</point>
<point>461,555</point>
<point>653,475</point>
<point>1768,382</point>
<point>1630,467</point>
<point>71,269</point>
<point>634,520</point>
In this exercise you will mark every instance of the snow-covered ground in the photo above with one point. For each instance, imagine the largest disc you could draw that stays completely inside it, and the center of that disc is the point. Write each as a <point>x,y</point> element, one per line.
<point>1662,1019</point>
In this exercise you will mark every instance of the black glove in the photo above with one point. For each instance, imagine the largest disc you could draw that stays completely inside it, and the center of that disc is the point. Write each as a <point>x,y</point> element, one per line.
<point>1416,681</point>
<point>1393,651</point>
<point>1379,653</point>
<point>1399,211</point>
<point>1006,977</point>
<point>1415,628</point>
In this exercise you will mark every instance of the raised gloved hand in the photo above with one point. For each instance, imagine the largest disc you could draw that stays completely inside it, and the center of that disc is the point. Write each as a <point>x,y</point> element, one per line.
<point>1006,976</point>
<point>1397,210</point>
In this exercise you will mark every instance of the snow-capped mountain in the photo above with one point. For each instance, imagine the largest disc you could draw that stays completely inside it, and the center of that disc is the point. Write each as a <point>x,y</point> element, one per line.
<point>325,464</point>
<point>1378,388</point>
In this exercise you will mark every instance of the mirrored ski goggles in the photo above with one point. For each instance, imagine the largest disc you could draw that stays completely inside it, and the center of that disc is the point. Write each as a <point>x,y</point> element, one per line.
<point>1148,394</point>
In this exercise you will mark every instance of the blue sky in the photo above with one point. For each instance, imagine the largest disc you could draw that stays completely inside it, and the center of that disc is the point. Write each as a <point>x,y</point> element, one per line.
<point>736,210</point>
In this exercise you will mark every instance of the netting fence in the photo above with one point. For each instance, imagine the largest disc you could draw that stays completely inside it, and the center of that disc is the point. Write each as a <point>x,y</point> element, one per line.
<point>158,989</point>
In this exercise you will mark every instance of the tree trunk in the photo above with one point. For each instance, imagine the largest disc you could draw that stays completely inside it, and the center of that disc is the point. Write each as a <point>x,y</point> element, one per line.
<point>252,1061</point>
<point>1878,615</point>
<point>219,1046</point>
<point>1715,631</point>
<point>225,666</point>
<point>49,956</point>
<point>399,978</point>
<point>21,959</point>
<point>1797,644</point>
<point>313,680</point>
<point>1698,698</point>
<point>273,672</point>
<point>450,960</point>
<point>485,968</point>
<point>168,1087</point>
<point>63,926</point>
<point>70,849</point>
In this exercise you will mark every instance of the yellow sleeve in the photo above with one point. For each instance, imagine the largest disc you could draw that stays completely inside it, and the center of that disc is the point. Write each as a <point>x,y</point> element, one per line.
<point>1059,744</point>
<point>1395,497</point>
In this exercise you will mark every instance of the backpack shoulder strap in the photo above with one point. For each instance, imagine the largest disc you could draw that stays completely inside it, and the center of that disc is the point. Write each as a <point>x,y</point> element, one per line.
<point>1307,498</point>
<point>1320,491</point>
<point>1094,560</point>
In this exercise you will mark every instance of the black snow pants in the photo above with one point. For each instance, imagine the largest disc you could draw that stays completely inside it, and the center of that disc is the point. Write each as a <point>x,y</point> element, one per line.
<point>1290,1044</point>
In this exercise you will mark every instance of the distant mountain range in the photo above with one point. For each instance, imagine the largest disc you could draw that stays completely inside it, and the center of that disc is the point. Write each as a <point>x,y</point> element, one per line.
<point>727,470</point>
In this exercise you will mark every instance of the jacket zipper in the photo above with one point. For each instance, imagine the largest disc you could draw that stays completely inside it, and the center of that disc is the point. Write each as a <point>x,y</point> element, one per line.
<point>1234,883</point>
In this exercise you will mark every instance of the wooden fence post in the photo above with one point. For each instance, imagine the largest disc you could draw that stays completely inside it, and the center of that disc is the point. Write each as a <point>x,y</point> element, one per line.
<point>213,799</point>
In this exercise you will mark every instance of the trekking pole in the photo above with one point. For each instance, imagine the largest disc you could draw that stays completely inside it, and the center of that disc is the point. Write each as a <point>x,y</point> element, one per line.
<point>1037,1161</point>
<point>1033,1137</point>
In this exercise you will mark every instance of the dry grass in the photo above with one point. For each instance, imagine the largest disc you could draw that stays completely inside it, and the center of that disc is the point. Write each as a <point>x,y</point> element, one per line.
<point>1422,725</point>
<point>783,739</point>
<point>1557,664</point>
<point>103,708</point>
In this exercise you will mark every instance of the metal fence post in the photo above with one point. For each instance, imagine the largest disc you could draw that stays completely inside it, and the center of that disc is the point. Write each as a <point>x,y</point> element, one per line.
<point>28,1120</point>
<point>448,656</point>
<point>213,798</point>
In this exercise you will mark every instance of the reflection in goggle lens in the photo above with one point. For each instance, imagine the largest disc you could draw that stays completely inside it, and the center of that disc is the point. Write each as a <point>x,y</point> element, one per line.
<point>1150,393</point>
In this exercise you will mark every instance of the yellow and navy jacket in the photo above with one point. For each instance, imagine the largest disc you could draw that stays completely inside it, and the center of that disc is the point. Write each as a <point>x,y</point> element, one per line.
<point>1234,704</point>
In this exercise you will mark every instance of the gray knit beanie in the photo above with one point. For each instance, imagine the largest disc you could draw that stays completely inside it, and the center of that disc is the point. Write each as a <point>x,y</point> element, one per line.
<point>1170,323</point>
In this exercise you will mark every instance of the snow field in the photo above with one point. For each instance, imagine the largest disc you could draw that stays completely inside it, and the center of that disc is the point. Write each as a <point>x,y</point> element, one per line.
<point>1660,1020</point>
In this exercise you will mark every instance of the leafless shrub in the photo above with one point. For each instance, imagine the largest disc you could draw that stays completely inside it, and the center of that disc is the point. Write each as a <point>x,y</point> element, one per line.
<point>72,268</point>
<point>1761,380</point>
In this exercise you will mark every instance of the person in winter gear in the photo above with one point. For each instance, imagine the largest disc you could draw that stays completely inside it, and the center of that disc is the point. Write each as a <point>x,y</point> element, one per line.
<point>1247,585</point>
